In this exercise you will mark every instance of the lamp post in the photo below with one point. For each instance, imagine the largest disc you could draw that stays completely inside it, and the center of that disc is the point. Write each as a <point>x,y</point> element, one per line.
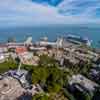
<point>19,66</point>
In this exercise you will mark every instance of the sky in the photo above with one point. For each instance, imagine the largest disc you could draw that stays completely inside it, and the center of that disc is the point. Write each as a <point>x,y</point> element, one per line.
<point>15,13</point>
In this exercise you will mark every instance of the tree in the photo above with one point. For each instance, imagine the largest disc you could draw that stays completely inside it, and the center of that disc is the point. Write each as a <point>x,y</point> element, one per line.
<point>46,61</point>
<point>39,75</point>
<point>53,87</point>
<point>87,96</point>
<point>40,97</point>
<point>68,95</point>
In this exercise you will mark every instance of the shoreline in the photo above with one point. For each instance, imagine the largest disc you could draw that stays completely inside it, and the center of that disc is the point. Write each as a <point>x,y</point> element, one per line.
<point>18,40</point>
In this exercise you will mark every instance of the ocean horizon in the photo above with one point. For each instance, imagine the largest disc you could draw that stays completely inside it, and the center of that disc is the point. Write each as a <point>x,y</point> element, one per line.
<point>92,33</point>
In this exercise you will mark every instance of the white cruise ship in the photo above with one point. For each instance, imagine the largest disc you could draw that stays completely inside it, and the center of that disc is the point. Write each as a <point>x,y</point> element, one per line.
<point>78,40</point>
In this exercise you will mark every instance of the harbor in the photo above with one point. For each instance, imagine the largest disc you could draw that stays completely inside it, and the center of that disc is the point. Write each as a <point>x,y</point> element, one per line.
<point>51,32</point>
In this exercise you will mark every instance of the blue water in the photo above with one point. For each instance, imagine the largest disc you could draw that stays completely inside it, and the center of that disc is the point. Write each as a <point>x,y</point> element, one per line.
<point>20,34</point>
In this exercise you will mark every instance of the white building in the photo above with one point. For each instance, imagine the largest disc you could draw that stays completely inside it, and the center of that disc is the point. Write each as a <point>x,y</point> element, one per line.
<point>83,83</point>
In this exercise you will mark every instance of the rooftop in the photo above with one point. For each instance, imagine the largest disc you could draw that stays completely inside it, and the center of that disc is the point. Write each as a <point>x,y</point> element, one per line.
<point>10,88</point>
<point>84,82</point>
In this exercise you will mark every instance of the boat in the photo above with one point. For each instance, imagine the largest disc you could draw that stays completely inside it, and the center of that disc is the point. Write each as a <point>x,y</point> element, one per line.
<point>78,39</point>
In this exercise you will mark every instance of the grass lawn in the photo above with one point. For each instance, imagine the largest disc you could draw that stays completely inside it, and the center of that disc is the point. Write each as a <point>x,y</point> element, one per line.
<point>5,66</point>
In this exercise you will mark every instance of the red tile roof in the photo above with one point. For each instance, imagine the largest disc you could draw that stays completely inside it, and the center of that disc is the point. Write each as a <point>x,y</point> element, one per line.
<point>20,50</point>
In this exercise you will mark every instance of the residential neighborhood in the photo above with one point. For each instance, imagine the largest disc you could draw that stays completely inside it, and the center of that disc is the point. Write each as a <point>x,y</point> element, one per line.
<point>35,60</point>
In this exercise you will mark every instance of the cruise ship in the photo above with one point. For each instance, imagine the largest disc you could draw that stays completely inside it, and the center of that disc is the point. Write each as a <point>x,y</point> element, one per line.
<point>78,39</point>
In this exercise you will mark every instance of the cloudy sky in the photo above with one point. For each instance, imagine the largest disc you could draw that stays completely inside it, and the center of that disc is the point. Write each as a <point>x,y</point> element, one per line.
<point>48,12</point>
